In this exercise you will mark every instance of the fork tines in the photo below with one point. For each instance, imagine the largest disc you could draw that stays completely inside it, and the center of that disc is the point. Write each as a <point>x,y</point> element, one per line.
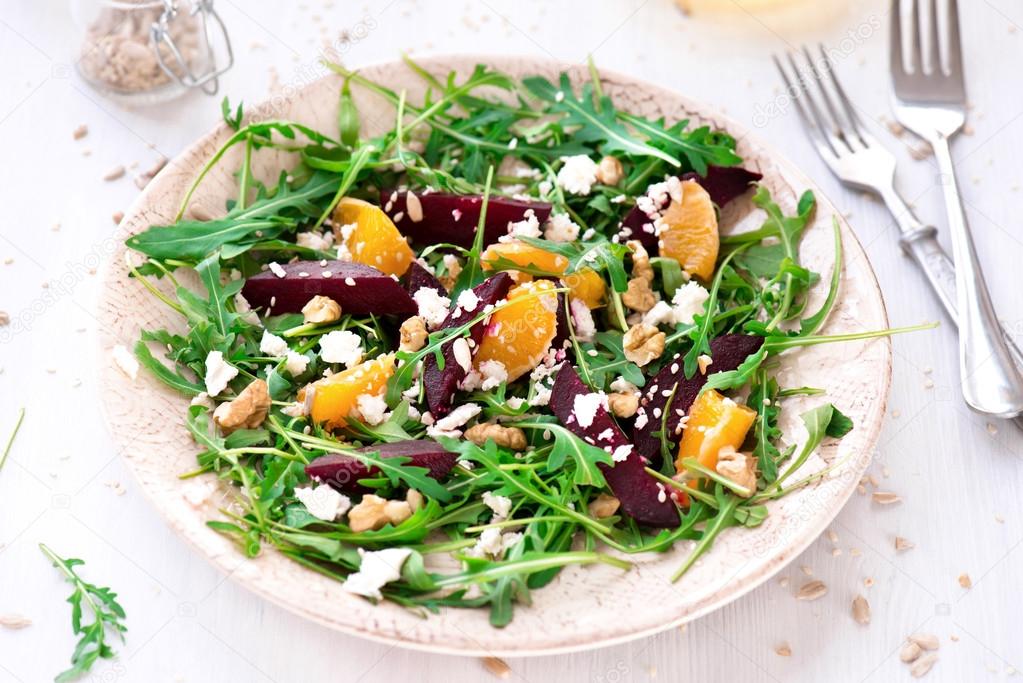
<point>912,66</point>
<point>821,101</point>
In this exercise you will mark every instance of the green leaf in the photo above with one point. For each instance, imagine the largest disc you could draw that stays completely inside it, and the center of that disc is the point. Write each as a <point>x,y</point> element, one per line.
<point>348,117</point>
<point>169,377</point>
<point>567,445</point>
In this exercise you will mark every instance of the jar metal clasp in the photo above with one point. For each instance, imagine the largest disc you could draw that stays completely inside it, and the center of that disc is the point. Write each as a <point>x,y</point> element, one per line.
<point>208,81</point>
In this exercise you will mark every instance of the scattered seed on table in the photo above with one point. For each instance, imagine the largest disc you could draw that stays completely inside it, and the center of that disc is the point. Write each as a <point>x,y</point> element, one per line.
<point>832,536</point>
<point>903,543</point>
<point>909,652</point>
<point>497,667</point>
<point>118,216</point>
<point>861,610</point>
<point>783,650</point>
<point>806,570</point>
<point>922,665</point>
<point>964,580</point>
<point>80,132</point>
<point>927,641</point>
<point>812,591</point>
<point>991,429</point>
<point>885,497</point>
<point>14,621</point>
<point>868,582</point>
<point>114,173</point>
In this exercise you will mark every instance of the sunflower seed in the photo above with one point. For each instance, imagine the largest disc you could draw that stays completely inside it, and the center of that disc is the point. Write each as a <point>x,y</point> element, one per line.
<point>14,621</point>
<point>922,665</point>
<point>114,173</point>
<point>783,650</point>
<point>861,610</point>
<point>885,497</point>
<point>927,641</point>
<point>964,580</point>
<point>812,590</point>
<point>497,667</point>
<point>909,652</point>
<point>903,543</point>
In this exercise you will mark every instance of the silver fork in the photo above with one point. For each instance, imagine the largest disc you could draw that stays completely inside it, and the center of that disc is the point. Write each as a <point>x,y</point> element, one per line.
<point>930,100</point>
<point>860,161</point>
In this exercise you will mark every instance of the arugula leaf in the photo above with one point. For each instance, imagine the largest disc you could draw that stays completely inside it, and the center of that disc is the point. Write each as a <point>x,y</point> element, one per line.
<point>590,124</point>
<point>568,445</point>
<point>700,146</point>
<point>107,616</point>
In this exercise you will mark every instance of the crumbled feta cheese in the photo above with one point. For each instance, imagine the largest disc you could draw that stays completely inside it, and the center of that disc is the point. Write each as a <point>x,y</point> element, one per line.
<point>561,228</point>
<point>492,543</point>
<point>621,453</point>
<point>323,502</point>
<point>341,346</point>
<point>529,226</point>
<point>201,399</point>
<point>456,214</point>
<point>296,363</point>
<point>500,505</point>
<point>321,241</point>
<point>433,308</point>
<point>578,174</point>
<point>373,408</point>
<point>582,320</point>
<point>544,187</point>
<point>462,352</point>
<point>471,382</point>
<point>378,568</point>
<point>688,301</point>
<point>467,300</point>
<point>450,423</point>
<point>660,314</point>
<point>493,374</point>
<point>276,269</point>
<point>218,373</point>
<point>272,345</point>
<point>641,419</point>
<point>584,407</point>
<point>541,397</point>
<point>127,363</point>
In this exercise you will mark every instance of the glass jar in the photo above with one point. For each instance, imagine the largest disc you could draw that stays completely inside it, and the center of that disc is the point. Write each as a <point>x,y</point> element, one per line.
<point>147,51</point>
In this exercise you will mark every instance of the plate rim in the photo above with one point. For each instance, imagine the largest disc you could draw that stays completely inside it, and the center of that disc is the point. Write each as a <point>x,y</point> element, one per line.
<point>792,174</point>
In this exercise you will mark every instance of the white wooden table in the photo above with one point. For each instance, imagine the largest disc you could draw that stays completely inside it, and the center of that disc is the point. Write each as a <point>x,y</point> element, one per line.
<point>960,479</point>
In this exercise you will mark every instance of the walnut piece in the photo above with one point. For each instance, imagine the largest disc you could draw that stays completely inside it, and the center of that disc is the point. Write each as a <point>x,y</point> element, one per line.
<point>703,361</point>
<point>643,343</point>
<point>509,437</point>
<point>640,261</point>
<point>610,171</point>
<point>321,309</point>
<point>246,411</point>
<point>639,296</point>
<point>739,467</point>
<point>374,512</point>
<point>603,506</point>
<point>413,334</point>
<point>623,405</point>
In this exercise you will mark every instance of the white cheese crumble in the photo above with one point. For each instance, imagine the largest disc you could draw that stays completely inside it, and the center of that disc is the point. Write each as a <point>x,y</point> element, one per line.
<point>378,568</point>
<point>272,345</point>
<point>296,363</point>
<point>492,543</point>
<point>468,301</point>
<point>373,408</point>
<point>493,374</point>
<point>688,301</point>
<point>585,406</point>
<point>433,308</point>
<point>323,502</point>
<point>578,174</point>
<point>218,373</point>
<point>126,362</point>
<point>500,505</point>
<point>341,346</point>
<point>621,453</point>
<point>321,241</point>
<point>561,228</point>
<point>450,423</point>
<point>529,226</point>
<point>582,320</point>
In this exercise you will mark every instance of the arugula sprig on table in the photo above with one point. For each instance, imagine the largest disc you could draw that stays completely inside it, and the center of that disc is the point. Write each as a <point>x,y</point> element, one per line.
<point>104,616</point>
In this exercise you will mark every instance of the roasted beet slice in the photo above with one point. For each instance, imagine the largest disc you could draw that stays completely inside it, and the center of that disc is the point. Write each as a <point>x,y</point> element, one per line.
<point>445,217</point>
<point>641,496</point>
<point>563,336</point>
<point>440,384</point>
<point>723,184</point>
<point>359,289</point>
<point>418,277</point>
<point>343,472</point>
<point>728,352</point>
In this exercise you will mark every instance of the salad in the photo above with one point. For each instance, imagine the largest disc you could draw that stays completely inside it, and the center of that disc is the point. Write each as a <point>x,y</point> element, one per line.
<point>506,336</point>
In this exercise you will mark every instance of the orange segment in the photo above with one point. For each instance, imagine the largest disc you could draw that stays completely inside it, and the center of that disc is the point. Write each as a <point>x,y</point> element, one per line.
<point>520,334</point>
<point>374,241</point>
<point>522,254</point>
<point>714,422</point>
<point>690,235</point>
<point>586,284</point>
<point>336,396</point>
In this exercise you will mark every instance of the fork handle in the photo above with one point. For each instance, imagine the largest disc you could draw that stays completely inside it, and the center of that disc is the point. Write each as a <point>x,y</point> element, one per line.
<point>922,244</point>
<point>990,382</point>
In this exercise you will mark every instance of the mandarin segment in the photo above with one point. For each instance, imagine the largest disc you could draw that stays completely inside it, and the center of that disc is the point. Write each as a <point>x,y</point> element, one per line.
<point>335,397</point>
<point>374,241</point>
<point>588,286</point>
<point>714,422</point>
<point>585,284</point>
<point>519,334</point>
<point>690,232</point>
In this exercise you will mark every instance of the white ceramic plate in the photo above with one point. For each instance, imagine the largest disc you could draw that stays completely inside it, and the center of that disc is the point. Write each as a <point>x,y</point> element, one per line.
<point>585,607</point>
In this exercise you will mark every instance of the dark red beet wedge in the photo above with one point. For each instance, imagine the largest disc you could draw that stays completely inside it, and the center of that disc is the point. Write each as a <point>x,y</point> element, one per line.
<point>418,277</point>
<point>453,218</point>
<point>440,385</point>
<point>723,184</point>
<point>728,352</point>
<point>639,493</point>
<point>359,289</point>
<point>343,472</point>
